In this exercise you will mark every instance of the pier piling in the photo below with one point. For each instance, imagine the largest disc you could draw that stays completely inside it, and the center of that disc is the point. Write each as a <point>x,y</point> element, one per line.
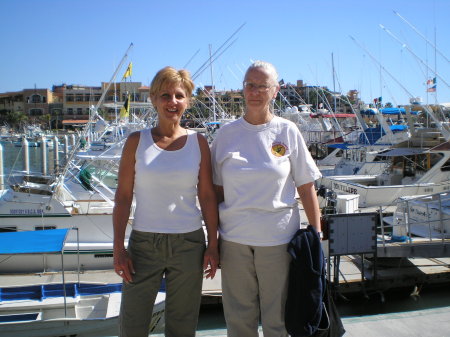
<point>44,155</point>
<point>56,153</point>
<point>66,147</point>
<point>26,156</point>
<point>2,178</point>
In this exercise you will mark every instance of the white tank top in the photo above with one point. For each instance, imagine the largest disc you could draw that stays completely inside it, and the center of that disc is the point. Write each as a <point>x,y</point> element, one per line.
<point>165,186</point>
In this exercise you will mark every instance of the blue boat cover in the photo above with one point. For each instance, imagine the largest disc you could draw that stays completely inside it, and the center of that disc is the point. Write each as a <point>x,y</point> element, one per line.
<point>41,292</point>
<point>33,242</point>
<point>398,127</point>
<point>339,146</point>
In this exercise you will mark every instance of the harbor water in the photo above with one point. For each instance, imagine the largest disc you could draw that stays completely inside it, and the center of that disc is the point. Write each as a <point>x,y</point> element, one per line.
<point>13,158</point>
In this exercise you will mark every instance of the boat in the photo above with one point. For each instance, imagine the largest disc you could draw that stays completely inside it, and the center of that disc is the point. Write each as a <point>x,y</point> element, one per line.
<point>426,216</point>
<point>418,166</point>
<point>60,309</point>
<point>411,172</point>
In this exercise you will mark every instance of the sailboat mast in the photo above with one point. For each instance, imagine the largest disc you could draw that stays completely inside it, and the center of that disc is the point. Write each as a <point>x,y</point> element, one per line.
<point>212,84</point>
<point>334,81</point>
<point>423,37</point>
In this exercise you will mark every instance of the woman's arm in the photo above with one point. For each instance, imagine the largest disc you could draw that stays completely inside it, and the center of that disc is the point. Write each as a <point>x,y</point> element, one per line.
<point>208,205</point>
<point>122,204</point>
<point>310,204</point>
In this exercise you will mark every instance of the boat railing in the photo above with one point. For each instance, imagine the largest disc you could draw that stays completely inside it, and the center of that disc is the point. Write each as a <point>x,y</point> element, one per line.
<point>402,221</point>
<point>47,241</point>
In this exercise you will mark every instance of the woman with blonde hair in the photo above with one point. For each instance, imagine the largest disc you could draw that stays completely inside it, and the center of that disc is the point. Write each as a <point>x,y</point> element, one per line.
<point>166,167</point>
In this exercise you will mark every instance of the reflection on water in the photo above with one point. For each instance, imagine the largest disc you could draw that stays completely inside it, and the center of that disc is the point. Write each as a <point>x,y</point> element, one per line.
<point>13,158</point>
<point>395,300</point>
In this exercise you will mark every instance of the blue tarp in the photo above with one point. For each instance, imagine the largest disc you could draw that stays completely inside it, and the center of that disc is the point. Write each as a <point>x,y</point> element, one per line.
<point>399,127</point>
<point>339,146</point>
<point>393,111</point>
<point>371,135</point>
<point>33,242</point>
<point>388,111</point>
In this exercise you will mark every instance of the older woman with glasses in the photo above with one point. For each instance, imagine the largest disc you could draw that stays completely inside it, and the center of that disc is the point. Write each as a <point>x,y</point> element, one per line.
<point>259,162</point>
<point>167,168</point>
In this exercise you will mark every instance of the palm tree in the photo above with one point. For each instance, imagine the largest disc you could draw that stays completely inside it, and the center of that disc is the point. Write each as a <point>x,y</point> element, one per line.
<point>16,119</point>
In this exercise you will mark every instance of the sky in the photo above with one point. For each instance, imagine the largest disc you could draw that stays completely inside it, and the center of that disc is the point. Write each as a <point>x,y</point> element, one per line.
<point>51,42</point>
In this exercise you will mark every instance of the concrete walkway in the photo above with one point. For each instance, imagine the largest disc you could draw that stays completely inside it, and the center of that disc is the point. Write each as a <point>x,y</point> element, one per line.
<point>422,323</point>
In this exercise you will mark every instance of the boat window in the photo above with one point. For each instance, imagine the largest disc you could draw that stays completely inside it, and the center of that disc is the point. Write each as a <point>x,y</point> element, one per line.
<point>8,229</point>
<point>40,228</point>
<point>446,166</point>
<point>380,158</point>
<point>19,317</point>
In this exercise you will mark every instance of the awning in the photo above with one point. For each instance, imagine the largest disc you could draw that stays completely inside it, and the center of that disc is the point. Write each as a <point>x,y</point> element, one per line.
<point>33,242</point>
<point>397,152</point>
<point>398,127</point>
<point>75,121</point>
<point>342,115</point>
<point>338,146</point>
<point>393,111</point>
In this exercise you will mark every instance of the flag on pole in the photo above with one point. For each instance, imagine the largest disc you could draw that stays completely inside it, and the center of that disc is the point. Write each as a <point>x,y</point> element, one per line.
<point>125,110</point>
<point>432,89</point>
<point>431,82</point>
<point>128,72</point>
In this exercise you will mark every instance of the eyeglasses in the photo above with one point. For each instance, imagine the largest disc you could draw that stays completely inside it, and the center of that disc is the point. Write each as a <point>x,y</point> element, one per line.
<point>260,87</point>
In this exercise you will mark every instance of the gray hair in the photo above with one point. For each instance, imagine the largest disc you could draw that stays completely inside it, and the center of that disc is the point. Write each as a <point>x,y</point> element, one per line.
<point>268,67</point>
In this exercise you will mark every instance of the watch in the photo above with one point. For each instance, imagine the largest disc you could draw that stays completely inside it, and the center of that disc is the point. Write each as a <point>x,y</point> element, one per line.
<point>320,234</point>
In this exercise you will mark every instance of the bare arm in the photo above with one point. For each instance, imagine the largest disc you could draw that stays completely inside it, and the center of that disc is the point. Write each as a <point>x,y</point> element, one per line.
<point>310,204</point>
<point>219,193</point>
<point>122,205</point>
<point>208,205</point>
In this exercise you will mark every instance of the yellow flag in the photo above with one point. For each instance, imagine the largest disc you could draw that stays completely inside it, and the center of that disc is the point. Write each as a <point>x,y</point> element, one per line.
<point>125,110</point>
<point>128,72</point>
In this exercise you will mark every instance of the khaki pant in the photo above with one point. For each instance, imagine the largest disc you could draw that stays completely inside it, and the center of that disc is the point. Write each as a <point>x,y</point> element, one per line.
<point>254,282</point>
<point>179,257</point>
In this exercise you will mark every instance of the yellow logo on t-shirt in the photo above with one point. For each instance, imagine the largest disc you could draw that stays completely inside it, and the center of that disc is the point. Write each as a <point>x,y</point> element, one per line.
<point>279,149</point>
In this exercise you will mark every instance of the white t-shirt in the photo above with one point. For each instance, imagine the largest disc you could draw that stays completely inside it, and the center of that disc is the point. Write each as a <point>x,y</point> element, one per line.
<point>259,167</point>
<point>165,186</point>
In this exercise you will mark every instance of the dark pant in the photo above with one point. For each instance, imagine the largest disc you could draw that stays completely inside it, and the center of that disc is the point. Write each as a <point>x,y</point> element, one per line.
<point>178,257</point>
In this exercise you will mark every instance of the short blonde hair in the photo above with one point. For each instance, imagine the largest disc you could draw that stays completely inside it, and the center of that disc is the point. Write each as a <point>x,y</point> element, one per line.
<point>169,76</point>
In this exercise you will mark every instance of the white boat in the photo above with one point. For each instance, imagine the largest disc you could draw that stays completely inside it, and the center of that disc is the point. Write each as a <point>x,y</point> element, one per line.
<point>411,172</point>
<point>36,204</point>
<point>62,309</point>
<point>425,216</point>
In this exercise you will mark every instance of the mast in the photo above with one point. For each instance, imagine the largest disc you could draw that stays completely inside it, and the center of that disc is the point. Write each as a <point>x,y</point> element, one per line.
<point>212,84</point>
<point>404,45</point>
<point>423,37</point>
<point>334,82</point>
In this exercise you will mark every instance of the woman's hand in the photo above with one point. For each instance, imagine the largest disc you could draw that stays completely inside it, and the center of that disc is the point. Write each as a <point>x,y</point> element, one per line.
<point>123,265</point>
<point>211,261</point>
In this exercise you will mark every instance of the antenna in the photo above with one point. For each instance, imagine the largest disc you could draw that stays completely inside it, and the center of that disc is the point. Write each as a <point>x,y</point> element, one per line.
<point>422,36</point>
<point>404,45</point>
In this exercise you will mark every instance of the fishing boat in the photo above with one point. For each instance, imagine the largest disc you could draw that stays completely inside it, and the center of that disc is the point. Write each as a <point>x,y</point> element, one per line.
<point>60,309</point>
<point>411,172</point>
<point>426,216</point>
